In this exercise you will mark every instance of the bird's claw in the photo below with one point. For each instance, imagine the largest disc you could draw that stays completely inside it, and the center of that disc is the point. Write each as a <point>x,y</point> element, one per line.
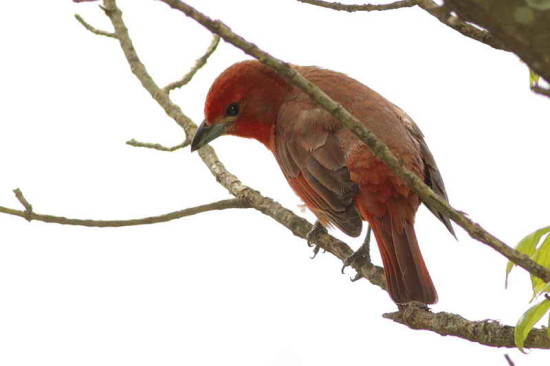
<point>315,251</point>
<point>313,235</point>
<point>360,256</point>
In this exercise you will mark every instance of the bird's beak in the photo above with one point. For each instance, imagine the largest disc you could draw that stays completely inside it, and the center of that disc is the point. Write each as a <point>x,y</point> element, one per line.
<point>206,133</point>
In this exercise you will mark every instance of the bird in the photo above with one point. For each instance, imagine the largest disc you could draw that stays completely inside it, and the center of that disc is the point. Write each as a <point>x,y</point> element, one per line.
<point>334,173</point>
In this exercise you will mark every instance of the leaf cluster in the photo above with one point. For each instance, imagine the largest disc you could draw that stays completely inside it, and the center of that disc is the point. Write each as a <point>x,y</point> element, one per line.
<point>537,246</point>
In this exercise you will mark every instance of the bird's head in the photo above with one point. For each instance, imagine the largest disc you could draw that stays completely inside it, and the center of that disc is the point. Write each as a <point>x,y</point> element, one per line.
<point>243,101</point>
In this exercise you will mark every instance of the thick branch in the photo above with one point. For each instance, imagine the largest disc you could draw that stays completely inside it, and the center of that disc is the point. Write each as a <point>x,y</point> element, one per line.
<point>362,7</point>
<point>487,332</point>
<point>299,226</point>
<point>201,61</point>
<point>220,205</point>
<point>380,149</point>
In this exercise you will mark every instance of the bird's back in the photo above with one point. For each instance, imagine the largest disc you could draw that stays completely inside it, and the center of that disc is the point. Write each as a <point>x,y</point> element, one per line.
<point>379,115</point>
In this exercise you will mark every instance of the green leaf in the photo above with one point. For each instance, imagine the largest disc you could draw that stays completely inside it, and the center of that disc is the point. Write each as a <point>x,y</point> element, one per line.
<point>533,78</point>
<point>542,257</point>
<point>527,246</point>
<point>528,321</point>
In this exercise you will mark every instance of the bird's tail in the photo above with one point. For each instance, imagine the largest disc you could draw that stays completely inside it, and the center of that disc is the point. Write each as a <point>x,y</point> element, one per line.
<point>406,273</point>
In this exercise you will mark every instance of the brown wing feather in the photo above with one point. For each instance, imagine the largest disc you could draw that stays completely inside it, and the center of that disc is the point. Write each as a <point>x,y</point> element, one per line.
<point>314,164</point>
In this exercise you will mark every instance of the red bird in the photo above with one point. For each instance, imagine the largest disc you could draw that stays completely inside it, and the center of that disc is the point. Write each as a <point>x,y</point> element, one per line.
<point>330,169</point>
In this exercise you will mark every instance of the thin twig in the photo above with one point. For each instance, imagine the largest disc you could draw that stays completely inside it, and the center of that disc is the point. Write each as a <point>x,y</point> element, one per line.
<point>160,147</point>
<point>439,12</point>
<point>527,37</point>
<point>466,29</point>
<point>28,207</point>
<point>99,32</point>
<point>297,225</point>
<point>363,7</point>
<point>379,148</point>
<point>509,360</point>
<point>219,205</point>
<point>201,61</point>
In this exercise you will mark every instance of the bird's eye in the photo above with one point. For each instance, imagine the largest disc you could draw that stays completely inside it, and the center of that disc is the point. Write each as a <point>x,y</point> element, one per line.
<point>232,110</point>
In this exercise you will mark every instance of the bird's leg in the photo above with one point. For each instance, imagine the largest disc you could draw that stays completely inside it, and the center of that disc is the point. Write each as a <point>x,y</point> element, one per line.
<point>312,236</point>
<point>360,256</point>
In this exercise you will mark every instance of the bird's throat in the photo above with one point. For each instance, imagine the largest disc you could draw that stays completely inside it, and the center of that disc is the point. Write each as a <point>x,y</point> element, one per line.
<point>261,131</point>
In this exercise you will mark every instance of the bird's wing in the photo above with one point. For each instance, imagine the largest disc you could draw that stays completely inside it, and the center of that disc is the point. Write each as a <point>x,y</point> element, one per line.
<point>432,176</point>
<point>313,162</point>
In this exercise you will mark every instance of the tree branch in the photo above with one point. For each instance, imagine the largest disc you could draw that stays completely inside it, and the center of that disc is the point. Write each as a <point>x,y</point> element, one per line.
<point>364,7</point>
<point>28,207</point>
<point>379,149</point>
<point>440,12</point>
<point>523,29</point>
<point>486,332</point>
<point>99,32</point>
<point>159,147</point>
<point>201,61</point>
<point>297,225</point>
<point>444,16</point>
<point>521,26</point>
<point>30,215</point>
<point>219,205</point>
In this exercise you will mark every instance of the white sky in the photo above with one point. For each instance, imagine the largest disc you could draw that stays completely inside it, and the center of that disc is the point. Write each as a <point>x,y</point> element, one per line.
<point>234,287</point>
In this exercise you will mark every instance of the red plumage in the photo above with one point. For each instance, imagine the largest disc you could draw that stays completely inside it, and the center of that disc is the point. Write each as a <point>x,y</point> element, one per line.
<point>329,168</point>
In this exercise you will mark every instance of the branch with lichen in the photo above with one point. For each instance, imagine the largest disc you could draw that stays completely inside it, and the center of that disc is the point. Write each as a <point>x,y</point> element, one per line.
<point>486,332</point>
<point>416,318</point>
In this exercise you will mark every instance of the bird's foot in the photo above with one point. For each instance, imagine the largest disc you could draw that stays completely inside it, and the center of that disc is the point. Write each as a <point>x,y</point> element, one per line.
<point>360,257</point>
<point>313,235</point>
